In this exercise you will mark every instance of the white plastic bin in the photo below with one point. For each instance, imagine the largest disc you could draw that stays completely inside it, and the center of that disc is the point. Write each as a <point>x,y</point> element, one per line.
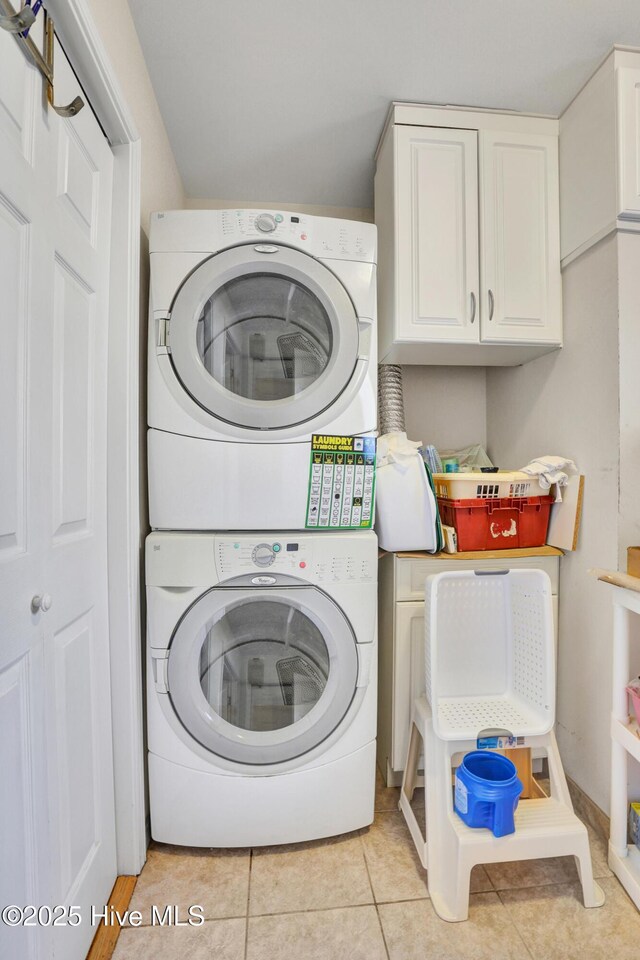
<point>406,511</point>
<point>486,486</point>
<point>489,653</point>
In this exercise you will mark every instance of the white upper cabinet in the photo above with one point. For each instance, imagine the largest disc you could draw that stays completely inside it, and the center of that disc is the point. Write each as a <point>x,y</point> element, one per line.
<point>600,155</point>
<point>438,276</point>
<point>520,238</point>
<point>467,211</point>
<point>628,84</point>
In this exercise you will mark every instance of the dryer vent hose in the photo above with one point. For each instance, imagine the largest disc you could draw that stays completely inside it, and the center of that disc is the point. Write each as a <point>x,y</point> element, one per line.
<point>390,399</point>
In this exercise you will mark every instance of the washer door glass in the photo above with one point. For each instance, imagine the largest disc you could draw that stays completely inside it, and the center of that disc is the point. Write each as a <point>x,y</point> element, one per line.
<point>262,676</point>
<point>263,340</point>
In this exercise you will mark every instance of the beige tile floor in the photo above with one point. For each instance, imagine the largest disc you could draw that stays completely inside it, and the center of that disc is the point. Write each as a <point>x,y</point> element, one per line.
<point>364,897</point>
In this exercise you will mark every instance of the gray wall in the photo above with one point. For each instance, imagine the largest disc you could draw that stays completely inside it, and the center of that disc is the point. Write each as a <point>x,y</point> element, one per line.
<point>446,406</point>
<point>567,403</point>
<point>161,182</point>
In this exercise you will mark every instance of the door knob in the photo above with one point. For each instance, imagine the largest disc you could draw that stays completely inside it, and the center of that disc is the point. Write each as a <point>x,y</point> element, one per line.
<point>41,602</point>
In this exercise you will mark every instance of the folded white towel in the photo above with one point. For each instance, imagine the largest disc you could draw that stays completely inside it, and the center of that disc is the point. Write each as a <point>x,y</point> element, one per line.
<point>396,448</point>
<point>550,470</point>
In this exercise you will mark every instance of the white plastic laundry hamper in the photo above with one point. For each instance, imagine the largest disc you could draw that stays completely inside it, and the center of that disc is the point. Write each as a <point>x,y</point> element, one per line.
<point>489,653</point>
<point>489,666</point>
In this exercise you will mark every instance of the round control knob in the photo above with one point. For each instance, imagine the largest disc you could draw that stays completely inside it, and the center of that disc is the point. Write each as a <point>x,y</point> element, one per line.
<point>266,223</point>
<point>263,555</point>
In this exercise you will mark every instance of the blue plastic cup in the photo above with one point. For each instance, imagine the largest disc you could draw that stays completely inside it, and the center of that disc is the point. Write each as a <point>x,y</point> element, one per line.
<point>487,792</point>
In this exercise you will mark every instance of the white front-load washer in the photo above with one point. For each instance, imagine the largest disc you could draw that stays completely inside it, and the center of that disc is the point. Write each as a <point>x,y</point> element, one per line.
<point>261,686</point>
<point>262,332</point>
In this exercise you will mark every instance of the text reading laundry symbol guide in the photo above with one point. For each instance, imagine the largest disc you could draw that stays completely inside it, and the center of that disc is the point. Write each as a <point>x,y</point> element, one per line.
<point>341,482</point>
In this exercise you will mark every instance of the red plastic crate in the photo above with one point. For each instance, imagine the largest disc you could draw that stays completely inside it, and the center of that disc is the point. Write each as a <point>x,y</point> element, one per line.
<point>503,524</point>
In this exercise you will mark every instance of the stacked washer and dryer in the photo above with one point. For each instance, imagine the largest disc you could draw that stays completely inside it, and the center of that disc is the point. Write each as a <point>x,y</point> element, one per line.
<point>261,641</point>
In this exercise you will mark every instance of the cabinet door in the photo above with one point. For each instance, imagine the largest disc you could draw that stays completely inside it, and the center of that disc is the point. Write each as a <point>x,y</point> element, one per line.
<point>628,84</point>
<point>408,675</point>
<point>437,240</point>
<point>520,238</point>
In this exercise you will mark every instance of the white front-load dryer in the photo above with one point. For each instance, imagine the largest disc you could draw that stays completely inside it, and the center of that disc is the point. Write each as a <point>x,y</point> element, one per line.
<point>262,332</point>
<point>261,686</point>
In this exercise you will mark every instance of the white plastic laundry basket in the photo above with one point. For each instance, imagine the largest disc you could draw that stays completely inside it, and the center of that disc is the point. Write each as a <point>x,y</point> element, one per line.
<point>489,653</point>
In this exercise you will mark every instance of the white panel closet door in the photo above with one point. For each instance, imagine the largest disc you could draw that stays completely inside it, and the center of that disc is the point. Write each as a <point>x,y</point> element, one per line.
<point>24,252</point>
<point>77,626</point>
<point>520,238</point>
<point>437,249</point>
<point>57,832</point>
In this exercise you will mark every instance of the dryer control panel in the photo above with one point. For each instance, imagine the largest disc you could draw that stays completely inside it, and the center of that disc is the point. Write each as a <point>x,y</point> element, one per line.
<point>321,236</point>
<point>187,232</point>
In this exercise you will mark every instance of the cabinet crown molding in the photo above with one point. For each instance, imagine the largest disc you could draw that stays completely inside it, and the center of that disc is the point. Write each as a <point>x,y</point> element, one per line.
<point>465,118</point>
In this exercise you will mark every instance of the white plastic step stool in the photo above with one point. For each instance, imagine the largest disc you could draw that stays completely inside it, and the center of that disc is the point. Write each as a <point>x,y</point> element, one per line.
<point>489,664</point>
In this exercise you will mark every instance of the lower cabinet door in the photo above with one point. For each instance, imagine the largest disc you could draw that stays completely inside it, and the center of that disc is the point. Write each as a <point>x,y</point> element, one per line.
<point>409,674</point>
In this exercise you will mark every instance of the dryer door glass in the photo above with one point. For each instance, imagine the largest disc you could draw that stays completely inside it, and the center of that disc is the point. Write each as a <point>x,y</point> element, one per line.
<point>262,676</point>
<point>264,340</point>
<point>264,337</point>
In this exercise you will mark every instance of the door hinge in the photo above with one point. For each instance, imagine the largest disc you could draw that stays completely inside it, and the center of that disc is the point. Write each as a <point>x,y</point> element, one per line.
<point>164,333</point>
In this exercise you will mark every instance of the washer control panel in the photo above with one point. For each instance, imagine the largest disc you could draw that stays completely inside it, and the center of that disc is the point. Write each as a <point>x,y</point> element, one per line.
<point>316,558</point>
<point>243,555</point>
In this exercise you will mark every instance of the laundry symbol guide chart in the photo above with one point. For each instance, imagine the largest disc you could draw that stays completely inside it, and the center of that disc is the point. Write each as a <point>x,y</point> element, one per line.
<point>342,480</point>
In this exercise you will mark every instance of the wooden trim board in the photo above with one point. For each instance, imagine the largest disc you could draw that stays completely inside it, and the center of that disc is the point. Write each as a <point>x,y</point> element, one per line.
<point>104,942</point>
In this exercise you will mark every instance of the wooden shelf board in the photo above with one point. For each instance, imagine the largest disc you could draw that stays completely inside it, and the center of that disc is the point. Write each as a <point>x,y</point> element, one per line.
<point>544,551</point>
<point>618,579</point>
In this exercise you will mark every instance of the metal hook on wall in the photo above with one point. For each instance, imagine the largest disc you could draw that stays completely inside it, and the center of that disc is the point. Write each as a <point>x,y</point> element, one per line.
<point>19,23</point>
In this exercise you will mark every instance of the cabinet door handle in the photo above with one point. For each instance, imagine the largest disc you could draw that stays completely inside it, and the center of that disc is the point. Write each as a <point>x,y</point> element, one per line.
<point>473,307</point>
<point>492,304</point>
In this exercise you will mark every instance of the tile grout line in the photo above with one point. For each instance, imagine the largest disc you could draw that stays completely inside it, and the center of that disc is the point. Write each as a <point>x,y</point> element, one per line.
<point>543,886</point>
<point>515,925</point>
<point>246,919</point>
<point>384,939</point>
<point>494,889</point>
<point>338,906</point>
<point>373,894</point>
<point>366,864</point>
